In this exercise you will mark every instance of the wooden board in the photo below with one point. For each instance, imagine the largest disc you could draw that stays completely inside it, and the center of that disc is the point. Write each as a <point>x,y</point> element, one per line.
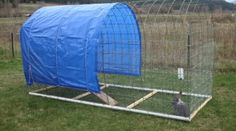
<point>86,94</point>
<point>106,98</point>
<point>43,89</point>
<point>141,99</point>
<point>200,107</point>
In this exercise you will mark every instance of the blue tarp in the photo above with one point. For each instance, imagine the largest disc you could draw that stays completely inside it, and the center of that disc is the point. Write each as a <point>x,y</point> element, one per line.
<point>68,45</point>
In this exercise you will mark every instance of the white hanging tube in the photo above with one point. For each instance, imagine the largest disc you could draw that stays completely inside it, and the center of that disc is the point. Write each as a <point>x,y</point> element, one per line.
<point>180,73</point>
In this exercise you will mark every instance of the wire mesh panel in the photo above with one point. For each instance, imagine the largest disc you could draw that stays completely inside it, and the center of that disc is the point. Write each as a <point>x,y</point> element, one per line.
<point>119,50</point>
<point>163,67</point>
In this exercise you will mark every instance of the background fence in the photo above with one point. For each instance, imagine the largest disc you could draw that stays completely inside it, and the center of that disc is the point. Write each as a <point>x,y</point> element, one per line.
<point>224,36</point>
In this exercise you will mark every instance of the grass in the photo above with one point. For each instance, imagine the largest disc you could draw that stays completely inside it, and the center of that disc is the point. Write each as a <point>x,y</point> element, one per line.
<point>19,111</point>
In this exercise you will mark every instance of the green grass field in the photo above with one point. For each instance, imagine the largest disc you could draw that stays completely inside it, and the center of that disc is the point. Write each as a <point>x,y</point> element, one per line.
<point>19,111</point>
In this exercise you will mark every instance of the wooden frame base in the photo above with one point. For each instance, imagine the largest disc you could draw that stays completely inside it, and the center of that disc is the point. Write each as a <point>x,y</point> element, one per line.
<point>130,107</point>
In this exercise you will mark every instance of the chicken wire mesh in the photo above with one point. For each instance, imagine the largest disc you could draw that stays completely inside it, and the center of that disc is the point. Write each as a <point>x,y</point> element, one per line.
<point>177,61</point>
<point>177,56</point>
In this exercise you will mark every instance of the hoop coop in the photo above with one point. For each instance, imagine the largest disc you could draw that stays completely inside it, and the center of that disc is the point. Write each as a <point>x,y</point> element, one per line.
<point>150,57</point>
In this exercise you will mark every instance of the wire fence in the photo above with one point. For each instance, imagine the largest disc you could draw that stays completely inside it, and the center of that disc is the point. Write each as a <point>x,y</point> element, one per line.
<point>9,45</point>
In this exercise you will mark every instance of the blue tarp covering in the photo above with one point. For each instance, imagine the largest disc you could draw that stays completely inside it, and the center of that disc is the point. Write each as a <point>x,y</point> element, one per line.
<point>68,45</point>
